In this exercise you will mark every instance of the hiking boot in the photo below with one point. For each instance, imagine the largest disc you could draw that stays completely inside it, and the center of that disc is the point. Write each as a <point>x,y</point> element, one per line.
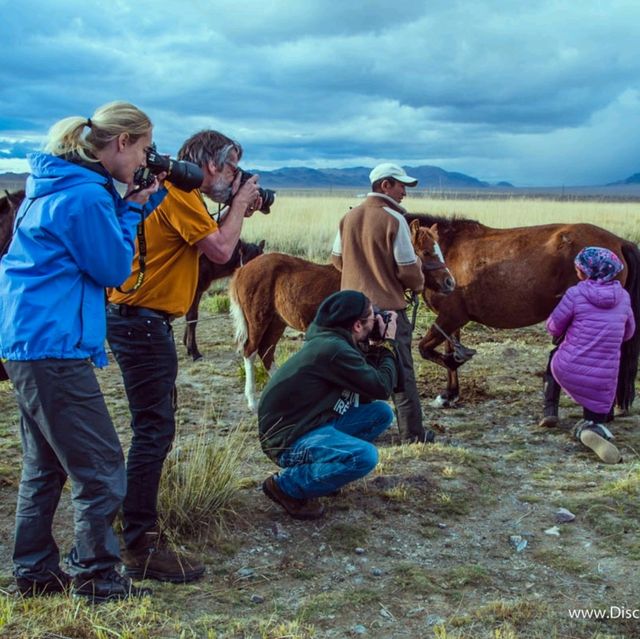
<point>425,437</point>
<point>551,391</point>
<point>58,582</point>
<point>151,558</point>
<point>549,421</point>
<point>107,586</point>
<point>598,438</point>
<point>298,508</point>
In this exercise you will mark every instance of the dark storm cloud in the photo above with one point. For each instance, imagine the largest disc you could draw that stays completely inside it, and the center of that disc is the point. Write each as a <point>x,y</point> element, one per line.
<point>541,94</point>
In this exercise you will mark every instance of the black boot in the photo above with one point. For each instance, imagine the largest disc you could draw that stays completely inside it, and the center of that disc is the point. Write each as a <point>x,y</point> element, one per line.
<point>551,401</point>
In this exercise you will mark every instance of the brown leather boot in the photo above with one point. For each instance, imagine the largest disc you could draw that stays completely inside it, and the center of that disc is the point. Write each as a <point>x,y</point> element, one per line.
<point>151,558</point>
<point>298,508</point>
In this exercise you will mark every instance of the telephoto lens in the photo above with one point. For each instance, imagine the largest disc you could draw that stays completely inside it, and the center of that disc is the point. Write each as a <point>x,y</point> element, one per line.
<point>182,174</point>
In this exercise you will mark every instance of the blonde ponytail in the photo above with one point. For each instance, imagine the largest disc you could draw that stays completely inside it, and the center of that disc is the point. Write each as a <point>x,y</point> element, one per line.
<point>107,123</point>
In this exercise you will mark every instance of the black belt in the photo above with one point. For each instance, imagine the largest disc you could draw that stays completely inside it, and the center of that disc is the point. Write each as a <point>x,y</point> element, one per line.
<point>125,310</point>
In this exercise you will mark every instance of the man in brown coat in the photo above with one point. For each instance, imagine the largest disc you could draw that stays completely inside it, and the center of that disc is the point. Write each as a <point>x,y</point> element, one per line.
<point>373,251</point>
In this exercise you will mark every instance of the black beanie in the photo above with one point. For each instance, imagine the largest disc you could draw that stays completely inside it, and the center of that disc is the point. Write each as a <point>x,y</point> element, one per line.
<point>341,308</point>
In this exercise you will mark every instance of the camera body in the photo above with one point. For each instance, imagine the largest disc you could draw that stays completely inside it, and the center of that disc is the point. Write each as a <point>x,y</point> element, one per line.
<point>375,334</point>
<point>184,175</point>
<point>268,196</point>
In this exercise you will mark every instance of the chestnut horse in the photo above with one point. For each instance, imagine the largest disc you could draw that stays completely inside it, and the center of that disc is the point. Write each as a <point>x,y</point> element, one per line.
<point>9,204</point>
<point>510,278</point>
<point>278,290</point>
<point>207,272</point>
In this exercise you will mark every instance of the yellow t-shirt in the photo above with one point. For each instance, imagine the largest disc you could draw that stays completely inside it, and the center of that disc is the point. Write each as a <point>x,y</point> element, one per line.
<point>171,274</point>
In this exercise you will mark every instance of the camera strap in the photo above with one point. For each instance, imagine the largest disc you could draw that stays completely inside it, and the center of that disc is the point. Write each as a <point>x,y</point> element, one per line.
<point>142,257</point>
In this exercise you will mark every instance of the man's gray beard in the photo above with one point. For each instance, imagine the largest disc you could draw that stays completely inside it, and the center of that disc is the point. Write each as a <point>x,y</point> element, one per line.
<point>220,195</point>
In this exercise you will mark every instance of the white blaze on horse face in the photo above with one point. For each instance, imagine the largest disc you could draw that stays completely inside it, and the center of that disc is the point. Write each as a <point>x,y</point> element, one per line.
<point>438,252</point>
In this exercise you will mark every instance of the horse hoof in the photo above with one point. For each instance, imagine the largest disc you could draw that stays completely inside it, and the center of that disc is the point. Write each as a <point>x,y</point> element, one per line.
<point>443,402</point>
<point>197,356</point>
<point>549,421</point>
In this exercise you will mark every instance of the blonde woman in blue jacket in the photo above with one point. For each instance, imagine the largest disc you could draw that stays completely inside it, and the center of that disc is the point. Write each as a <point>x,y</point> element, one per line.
<point>74,235</point>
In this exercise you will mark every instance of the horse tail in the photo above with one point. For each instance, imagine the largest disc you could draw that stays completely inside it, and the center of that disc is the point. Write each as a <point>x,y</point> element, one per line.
<point>630,351</point>
<point>241,334</point>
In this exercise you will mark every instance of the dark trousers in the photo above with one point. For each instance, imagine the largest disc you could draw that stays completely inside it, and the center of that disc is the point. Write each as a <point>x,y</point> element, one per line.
<point>146,353</point>
<point>552,397</point>
<point>66,431</point>
<point>407,403</point>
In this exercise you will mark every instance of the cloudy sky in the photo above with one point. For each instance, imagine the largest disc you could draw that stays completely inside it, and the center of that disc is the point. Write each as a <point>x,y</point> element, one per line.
<point>536,93</point>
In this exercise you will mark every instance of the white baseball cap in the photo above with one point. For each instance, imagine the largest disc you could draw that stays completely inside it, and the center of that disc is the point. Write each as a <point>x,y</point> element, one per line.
<point>394,171</point>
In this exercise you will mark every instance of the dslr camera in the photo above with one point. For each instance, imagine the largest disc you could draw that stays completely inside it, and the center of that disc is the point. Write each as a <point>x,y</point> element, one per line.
<point>184,175</point>
<point>268,196</point>
<point>376,335</point>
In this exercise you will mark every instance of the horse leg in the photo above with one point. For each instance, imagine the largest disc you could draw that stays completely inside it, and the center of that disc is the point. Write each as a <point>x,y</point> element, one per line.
<point>250,381</point>
<point>427,347</point>
<point>267,348</point>
<point>266,351</point>
<point>189,338</point>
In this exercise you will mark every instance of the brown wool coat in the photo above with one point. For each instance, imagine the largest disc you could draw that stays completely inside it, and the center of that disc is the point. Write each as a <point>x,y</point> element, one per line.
<point>373,251</point>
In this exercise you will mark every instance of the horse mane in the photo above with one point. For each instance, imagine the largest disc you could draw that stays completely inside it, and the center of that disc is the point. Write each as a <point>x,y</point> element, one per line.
<point>448,227</point>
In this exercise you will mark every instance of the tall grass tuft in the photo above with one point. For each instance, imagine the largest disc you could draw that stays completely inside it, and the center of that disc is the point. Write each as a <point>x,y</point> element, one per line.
<point>200,480</point>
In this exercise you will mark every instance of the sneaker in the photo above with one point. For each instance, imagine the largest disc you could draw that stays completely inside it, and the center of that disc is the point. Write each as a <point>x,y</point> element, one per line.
<point>58,582</point>
<point>598,438</point>
<point>151,558</point>
<point>107,586</point>
<point>298,508</point>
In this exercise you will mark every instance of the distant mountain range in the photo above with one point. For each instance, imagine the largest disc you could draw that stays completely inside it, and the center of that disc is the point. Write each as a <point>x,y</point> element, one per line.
<point>430,178</point>
<point>632,179</point>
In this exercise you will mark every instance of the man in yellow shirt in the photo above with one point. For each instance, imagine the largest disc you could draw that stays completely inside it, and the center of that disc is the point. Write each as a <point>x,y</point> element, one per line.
<point>141,337</point>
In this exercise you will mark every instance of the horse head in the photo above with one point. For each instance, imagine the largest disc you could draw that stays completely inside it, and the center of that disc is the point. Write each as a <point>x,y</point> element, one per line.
<point>9,204</point>
<point>249,251</point>
<point>437,275</point>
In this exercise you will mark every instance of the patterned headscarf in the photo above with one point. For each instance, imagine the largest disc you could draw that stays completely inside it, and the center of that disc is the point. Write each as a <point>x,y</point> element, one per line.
<point>598,263</point>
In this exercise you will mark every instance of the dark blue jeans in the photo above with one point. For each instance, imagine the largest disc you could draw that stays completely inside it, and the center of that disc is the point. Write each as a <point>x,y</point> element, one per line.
<point>65,430</point>
<point>146,353</point>
<point>335,453</point>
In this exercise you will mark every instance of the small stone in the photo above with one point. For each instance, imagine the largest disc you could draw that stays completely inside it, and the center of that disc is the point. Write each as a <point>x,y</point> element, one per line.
<point>257,599</point>
<point>564,516</point>
<point>554,531</point>
<point>385,613</point>
<point>279,532</point>
<point>360,551</point>
<point>442,526</point>
<point>518,542</point>
<point>246,573</point>
<point>435,620</point>
<point>377,572</point>
<point>359,630</point>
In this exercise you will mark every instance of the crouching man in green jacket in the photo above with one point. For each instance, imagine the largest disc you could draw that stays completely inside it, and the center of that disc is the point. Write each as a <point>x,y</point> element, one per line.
<point>316,415</point>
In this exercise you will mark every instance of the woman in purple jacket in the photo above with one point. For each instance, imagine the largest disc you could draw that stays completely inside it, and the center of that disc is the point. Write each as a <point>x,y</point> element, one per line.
<point>595,317</point>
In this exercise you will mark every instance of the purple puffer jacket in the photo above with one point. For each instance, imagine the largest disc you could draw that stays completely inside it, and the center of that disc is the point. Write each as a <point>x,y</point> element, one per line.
<point>595,318</point>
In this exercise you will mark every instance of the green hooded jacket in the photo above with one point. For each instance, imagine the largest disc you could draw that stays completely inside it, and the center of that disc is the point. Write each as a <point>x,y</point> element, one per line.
<point>319,383</point>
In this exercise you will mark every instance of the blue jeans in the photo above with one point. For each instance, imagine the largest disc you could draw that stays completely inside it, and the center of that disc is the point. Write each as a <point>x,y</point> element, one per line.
<point>335,453</point>
<point>146,353</point>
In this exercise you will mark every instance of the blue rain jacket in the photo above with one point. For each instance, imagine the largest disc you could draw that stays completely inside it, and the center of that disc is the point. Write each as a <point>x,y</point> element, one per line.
<point>74,236</point>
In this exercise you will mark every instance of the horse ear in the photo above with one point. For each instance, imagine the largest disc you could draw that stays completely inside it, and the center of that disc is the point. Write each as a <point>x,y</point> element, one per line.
<point>261,244</point>
<point>434,230</point>
<point>415,227</point>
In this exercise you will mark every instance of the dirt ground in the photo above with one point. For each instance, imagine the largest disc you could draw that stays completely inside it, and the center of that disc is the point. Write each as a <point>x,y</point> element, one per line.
<point>444,540</point>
